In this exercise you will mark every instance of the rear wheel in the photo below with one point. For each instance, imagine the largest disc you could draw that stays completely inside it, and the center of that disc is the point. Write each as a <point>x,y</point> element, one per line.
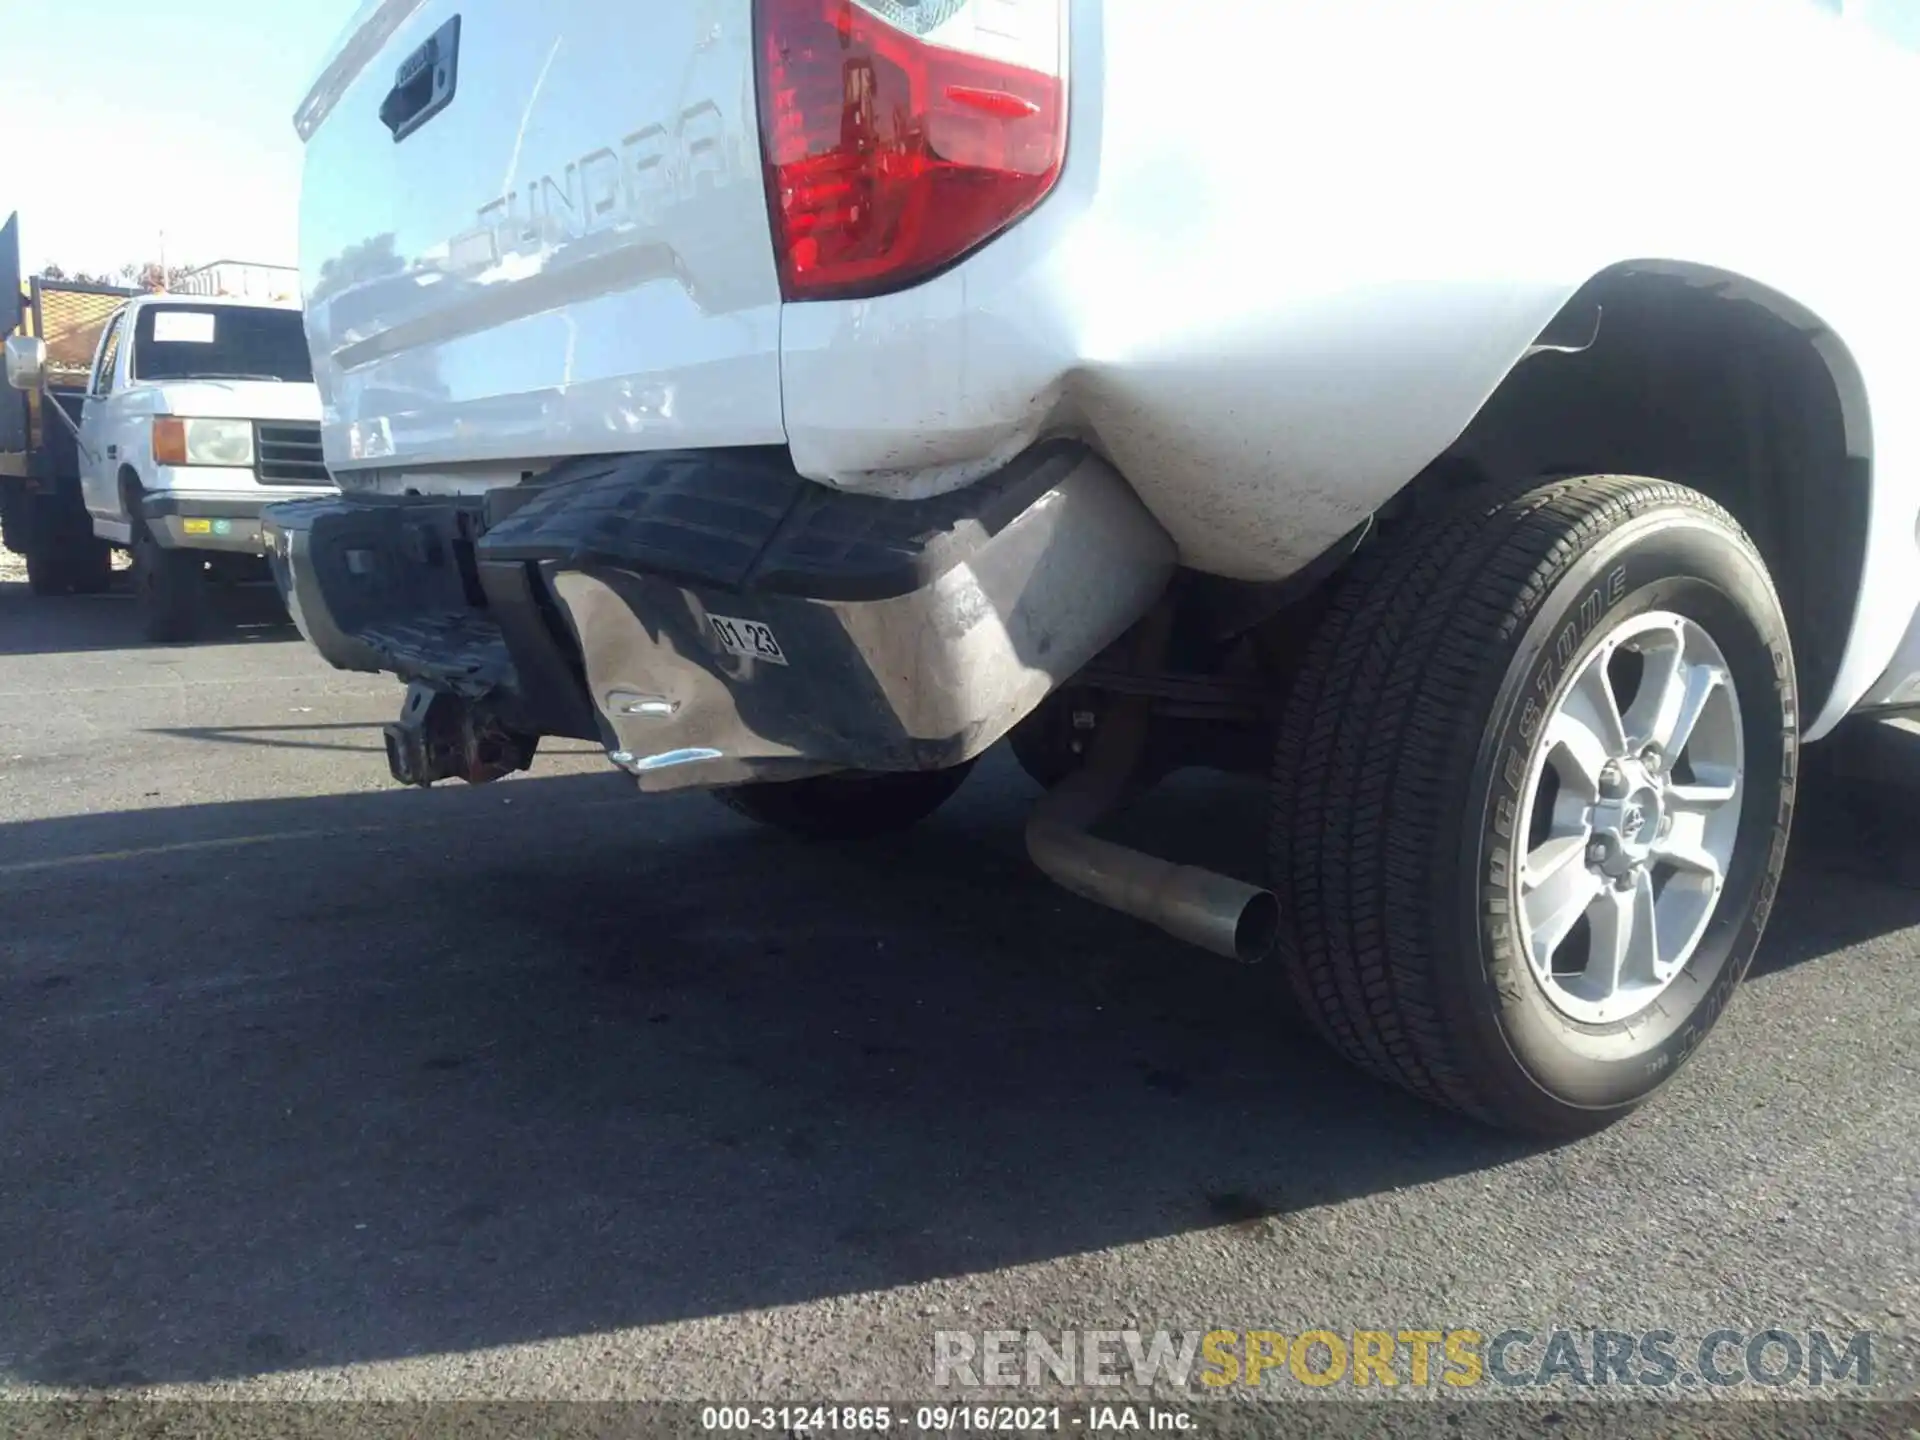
<point>69,565</point>
<point>1532,796</point>
<point>92,567</point>
<point>47,572</point>
<point>846,807</point>
<point>64,561</point>
<point>170,589</point>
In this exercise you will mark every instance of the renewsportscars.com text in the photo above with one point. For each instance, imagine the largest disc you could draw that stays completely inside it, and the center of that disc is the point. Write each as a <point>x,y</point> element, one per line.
<point>1456,1357</point>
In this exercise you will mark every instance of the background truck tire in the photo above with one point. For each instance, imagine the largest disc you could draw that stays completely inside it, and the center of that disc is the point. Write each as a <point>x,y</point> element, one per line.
<point>170,589</point>
<point>846,807</point>
<point>1449,677</point>
<point>70,565</point>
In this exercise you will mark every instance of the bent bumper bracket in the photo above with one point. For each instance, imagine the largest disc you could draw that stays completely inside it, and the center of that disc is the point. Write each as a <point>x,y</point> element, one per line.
<point>713,617</point>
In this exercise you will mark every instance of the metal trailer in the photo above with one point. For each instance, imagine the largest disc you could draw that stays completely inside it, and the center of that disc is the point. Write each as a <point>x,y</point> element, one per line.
<point>241,278</point>
<point>43,516</point>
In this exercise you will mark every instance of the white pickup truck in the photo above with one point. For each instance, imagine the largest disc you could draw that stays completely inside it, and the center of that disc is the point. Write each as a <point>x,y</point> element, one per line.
<point>1491,423</point>
<point>197,412</point>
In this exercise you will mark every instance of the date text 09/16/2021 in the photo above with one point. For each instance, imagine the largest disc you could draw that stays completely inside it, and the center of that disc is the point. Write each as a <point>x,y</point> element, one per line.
<point>947,1419</point>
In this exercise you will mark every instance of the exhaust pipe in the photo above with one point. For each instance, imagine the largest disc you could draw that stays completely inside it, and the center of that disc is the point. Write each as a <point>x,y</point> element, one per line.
<point>1215,912</point>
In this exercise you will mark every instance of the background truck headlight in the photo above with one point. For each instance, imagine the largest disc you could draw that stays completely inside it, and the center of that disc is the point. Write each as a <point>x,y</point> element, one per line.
<point>203,442</point>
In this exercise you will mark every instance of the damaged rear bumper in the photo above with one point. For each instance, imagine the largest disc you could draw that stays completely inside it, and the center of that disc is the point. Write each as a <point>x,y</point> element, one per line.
<point>712,617</point>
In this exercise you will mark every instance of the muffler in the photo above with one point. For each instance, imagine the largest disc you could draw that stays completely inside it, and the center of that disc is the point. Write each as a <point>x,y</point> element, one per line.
<point>1213,911</point>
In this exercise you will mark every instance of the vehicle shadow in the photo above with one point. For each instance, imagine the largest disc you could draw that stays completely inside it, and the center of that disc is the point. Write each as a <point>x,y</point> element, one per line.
<point>280,737</point>
<point>371,1076</point>
<point>1854,871</point>
<point>72,624</point>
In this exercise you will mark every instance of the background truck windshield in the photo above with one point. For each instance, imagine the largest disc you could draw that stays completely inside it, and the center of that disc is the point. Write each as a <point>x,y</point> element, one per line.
<point>220,342</point>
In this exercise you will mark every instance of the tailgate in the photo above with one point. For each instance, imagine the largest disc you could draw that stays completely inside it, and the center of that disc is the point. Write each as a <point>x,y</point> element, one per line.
<point>572,255</point>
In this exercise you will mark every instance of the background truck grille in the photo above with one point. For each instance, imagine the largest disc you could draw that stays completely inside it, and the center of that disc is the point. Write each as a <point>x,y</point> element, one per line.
<point>288,453</point>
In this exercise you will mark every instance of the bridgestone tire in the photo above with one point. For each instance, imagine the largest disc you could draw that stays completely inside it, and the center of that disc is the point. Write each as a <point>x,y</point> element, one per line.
<point>170,587</point>
<point>1399,769</point>
<point>846,807</point>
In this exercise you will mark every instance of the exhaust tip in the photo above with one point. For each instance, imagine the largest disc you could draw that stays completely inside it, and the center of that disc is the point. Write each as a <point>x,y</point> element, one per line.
<point>1258,929</point>
<point>1229,917</point>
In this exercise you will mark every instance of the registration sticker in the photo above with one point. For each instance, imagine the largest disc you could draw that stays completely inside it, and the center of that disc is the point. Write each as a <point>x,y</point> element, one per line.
<point>197,527</point>
<point>749,638</point>
<point>183,327</point>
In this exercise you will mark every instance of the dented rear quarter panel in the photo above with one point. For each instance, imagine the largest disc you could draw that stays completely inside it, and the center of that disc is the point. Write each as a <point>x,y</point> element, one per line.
<point>1294,248</point>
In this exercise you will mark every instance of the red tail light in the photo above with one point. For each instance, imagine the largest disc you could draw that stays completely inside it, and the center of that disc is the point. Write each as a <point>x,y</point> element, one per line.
<point>890,154</point>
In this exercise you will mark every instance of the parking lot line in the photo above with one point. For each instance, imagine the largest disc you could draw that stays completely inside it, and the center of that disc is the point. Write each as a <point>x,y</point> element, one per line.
<point>271,837</point>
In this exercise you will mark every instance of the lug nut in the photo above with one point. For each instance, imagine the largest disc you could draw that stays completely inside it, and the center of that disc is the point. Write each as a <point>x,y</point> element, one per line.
<point>1597,852</point>
<point>1612,782</point>
<point>1651,758</point>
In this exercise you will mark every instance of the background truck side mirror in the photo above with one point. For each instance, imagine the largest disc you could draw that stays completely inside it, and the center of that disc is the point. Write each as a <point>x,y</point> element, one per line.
<point>26,362</point>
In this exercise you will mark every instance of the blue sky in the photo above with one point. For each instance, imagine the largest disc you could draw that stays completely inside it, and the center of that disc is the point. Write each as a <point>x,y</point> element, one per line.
<point>123,118</point>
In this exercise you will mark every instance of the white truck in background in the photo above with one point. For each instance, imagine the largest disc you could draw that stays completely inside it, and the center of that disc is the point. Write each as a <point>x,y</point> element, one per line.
<point>43,517</point>
<point>193,413</point>
<point>1489,423</point>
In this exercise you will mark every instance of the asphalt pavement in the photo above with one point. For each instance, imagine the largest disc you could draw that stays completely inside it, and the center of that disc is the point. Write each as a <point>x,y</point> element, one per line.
<point>310,1086</point>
